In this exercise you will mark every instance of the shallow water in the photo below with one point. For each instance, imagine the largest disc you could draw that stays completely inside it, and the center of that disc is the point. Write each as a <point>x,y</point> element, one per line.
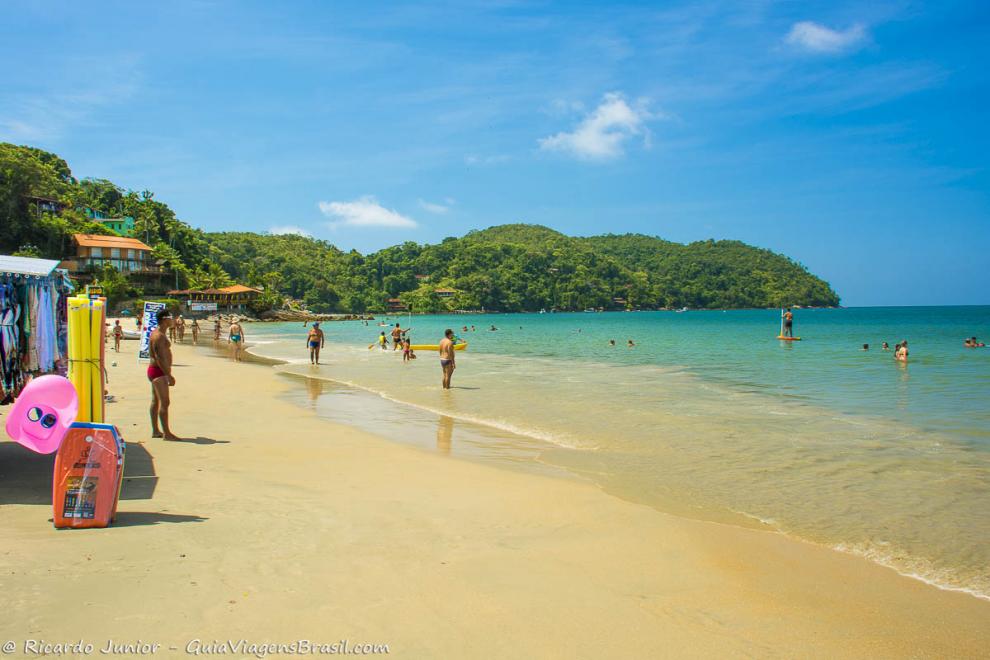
<point>709,416</point>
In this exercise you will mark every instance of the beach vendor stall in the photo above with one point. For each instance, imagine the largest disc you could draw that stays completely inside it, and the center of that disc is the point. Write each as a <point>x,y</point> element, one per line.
<point>45,328</point>
<point>33,321</point>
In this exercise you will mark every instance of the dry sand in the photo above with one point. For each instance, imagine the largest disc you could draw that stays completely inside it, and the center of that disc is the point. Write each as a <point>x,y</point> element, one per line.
<point>271,525</point>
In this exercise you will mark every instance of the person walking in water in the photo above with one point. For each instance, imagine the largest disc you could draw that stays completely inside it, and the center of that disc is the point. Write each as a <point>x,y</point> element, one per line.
<point>397,333</point>
<point>447,364</point>
<point>315,340</point>
<point>788,323</point>
<point>160,375</point>
<point>901,351</point>
<point>236,338</point>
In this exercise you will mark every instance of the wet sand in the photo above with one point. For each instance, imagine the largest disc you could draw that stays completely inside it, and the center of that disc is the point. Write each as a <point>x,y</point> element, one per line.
<point>269,524</point>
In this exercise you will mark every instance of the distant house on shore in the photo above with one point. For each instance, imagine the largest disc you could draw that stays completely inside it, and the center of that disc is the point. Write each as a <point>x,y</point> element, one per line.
<point>445,293</point>
<point>122,226</point>
<point>45,204</point>
<point>93,251</point>
<point>128,255</point>
<point>395,305</point>
<point>234,298</point>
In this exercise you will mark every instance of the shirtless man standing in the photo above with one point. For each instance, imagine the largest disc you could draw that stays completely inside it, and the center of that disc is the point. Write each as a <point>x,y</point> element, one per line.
<point>160,375</point>
<point>315,340</point>
<point>788,323</point>
<point>397,336</point>
<point>447,364</point>
<point>236,338</point>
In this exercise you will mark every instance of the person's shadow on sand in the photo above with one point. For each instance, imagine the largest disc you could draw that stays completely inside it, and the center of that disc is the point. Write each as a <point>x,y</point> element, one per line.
<point>135,518</point>
<point>200,440</point>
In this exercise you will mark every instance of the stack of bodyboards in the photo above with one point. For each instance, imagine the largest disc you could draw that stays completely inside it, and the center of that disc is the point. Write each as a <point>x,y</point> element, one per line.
<point>89,466</point>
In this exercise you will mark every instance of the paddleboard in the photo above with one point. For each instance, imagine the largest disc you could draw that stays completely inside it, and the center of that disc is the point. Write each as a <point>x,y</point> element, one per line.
<point>782,338</point>
<point>436,347</point>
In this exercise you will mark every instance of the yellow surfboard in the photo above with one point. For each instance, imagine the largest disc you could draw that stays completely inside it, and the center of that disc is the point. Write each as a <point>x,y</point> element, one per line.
<point>436,347</point>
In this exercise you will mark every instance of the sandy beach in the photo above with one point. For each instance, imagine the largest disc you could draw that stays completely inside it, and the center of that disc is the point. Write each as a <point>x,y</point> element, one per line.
<point>271,525</point>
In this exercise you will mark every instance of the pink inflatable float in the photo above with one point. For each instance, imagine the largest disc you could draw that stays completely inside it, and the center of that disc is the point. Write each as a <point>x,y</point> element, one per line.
<point>43,413</point>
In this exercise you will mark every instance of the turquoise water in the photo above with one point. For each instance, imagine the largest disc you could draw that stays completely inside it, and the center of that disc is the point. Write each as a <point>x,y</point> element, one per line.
<point>709,416</point>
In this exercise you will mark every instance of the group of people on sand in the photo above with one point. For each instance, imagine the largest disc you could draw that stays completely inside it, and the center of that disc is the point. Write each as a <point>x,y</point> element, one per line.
<point>177,330</point>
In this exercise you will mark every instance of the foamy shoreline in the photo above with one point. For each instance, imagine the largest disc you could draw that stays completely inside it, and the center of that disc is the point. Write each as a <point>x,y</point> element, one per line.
<point>275,525</point>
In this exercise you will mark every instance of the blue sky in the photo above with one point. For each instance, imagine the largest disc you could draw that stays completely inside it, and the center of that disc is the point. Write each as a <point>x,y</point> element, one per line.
<point>850,136</point>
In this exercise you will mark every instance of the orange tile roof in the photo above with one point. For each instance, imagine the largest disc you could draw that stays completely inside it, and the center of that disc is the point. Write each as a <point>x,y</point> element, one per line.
<point>227,290</point>
<point>96,240</point>
<point>239,288</point>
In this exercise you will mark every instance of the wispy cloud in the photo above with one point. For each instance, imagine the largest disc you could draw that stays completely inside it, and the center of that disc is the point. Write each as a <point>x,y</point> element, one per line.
<point>364,212</point>
<point>433,207</point>
<point>816,38</point>
<point>97,84</point>
<point>280,230</point>
<point>602,134</point>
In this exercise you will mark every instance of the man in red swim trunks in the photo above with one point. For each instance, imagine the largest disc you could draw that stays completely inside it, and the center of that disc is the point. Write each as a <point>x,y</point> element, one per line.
<point>160,375</point>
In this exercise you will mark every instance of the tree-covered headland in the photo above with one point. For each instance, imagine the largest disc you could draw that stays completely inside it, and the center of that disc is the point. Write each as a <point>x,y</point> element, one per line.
<point>515,267</point>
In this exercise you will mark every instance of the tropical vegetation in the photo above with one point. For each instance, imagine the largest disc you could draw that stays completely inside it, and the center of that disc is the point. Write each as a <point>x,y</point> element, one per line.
<point>514,267</point>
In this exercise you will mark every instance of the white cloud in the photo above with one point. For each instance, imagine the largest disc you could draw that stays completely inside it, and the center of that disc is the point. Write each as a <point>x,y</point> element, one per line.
<point>433,207</point>
<point>279,230</point>
<point>816,38</point>
<point>601,135</point>
<point>364,212</point>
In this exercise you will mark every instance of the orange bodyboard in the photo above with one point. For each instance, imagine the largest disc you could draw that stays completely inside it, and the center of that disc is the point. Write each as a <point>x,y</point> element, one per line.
<point>89,470</point>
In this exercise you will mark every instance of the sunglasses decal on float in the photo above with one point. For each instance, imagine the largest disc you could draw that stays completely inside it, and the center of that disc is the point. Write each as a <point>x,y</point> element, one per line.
<point>47,420</point>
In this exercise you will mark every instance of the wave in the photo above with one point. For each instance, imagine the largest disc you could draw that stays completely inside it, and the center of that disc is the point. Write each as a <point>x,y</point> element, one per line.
<point>557,439</point>
<point>914,567</point>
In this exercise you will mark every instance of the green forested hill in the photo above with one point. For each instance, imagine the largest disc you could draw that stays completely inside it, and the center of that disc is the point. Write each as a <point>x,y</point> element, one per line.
<point>514,267</point>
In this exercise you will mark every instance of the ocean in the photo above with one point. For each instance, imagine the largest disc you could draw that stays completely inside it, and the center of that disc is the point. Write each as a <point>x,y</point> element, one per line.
<point>707,416</point>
